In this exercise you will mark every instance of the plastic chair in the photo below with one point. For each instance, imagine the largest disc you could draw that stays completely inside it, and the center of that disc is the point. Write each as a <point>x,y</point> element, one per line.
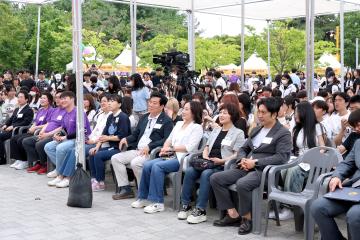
<point>175,178</point>
<point>321,160</point>
<point>15,131</point>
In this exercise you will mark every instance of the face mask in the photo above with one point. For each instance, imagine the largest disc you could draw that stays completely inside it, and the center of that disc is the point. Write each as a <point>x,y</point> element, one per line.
<point>330,80</point>
<point>32,93</point>
<point>284,82</point>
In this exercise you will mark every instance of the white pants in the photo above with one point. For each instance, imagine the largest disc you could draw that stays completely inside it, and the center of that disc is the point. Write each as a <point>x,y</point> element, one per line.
<point>121,160</point>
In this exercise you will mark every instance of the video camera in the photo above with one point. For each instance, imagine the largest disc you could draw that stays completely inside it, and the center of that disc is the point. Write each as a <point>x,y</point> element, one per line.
<point>179,61</point>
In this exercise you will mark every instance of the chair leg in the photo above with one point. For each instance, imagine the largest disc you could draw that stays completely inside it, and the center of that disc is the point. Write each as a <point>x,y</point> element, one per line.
<point>256,210</point>
<point>267,217</point>
<point>299,218</point>
<point>117,189</point>
<point>276,211</point>
<point>309,223</point>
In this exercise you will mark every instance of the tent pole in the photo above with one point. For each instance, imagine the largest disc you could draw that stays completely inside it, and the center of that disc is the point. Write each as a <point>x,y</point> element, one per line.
<point>242,44</point>
<point>189,15</point>
<point>357,53</point>
<point>77,39</point>
<point>342,43</point>
<point>133,35</point>
<point>309,47</point>
<point>37,45</point>
<point>268,48</point>
<point>192,37</point>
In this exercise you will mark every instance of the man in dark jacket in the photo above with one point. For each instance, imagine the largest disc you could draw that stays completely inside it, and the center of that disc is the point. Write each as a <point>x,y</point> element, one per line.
<point>268,144</point>
<point>22,116</point>
<point>324,210</point>
<point>151,132</point>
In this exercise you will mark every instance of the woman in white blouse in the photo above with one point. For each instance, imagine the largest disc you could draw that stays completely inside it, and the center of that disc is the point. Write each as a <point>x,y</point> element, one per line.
<point>286,87</point>
<point>184,138</point>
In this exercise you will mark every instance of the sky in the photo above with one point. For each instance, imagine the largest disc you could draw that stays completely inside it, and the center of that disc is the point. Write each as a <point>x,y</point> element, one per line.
<point>216,25</point>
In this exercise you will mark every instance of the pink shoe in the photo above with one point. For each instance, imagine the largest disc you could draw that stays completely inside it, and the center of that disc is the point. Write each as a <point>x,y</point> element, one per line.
<point>98,187</point>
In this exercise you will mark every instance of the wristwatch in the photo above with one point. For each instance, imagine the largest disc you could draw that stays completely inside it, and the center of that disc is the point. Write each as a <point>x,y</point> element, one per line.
<point>256,163</point>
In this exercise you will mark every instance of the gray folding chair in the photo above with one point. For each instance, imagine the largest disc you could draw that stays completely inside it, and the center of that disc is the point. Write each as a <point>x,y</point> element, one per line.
<point>321,160</point>
<point>15,131</point>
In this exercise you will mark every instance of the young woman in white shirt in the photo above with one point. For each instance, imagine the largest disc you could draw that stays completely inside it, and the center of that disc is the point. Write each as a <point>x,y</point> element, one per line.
<point>184,138</point>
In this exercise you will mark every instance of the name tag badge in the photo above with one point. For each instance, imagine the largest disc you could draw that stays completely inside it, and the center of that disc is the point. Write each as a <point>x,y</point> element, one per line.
<point>267,140</point>
<point>226,142</point>
<point>41,118</point>
<point>45,88</point>
<point>59,118</point>
<point>116,120</point>
<point>20,115</point>
<point>157,126</point>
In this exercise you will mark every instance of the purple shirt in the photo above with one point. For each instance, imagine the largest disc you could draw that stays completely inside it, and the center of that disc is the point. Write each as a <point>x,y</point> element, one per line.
<point>43,116</point>
<point>233,79</point>
<point>55,120</point>
<point>69,123</point>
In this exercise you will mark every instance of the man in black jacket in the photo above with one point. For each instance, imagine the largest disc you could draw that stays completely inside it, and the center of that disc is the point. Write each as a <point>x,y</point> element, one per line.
<point>22,116</point>
<point>151,132</point>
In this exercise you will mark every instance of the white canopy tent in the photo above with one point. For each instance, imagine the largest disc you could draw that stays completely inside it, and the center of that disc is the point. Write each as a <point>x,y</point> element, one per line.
<point>255,63</point>
<point>250,9</point>
<point>125,57</point>
<point>328,60</point>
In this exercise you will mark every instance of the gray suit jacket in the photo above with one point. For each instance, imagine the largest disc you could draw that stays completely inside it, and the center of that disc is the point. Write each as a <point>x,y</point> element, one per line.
<point>234,139</point>
<point>350,167</point>
<point>274,153</point>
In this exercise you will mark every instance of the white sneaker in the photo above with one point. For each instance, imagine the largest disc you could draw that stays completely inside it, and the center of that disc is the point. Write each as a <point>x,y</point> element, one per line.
<point>184,212</point>
<point>286,214</point>
<point>197,216</point>
<point>155,207</point>
<point>140,203</point>
<point>22,165</point>
<point>55,181</point>
<point>63,184</point>
<point>15,164</point>
<point>52,174</point>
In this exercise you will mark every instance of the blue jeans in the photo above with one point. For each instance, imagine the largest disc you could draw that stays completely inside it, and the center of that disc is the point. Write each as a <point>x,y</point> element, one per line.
<point>191,175</point>
<point>69,166</point>
<point>324,210</point>
<point>152,178</point>
<point>295,178</point>
<point>57,151</point>
<point>97,162</point>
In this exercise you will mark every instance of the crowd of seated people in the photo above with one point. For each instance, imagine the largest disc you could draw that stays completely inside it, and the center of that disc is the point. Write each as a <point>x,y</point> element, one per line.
<point>126,119</point>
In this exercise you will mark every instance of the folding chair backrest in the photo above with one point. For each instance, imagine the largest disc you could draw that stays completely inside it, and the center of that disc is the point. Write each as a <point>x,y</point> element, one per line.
<point>321,160</point>
<point>202,143</point>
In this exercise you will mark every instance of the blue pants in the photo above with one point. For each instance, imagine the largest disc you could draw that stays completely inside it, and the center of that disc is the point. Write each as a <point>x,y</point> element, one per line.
<point>324,210</point>
<point>69,166</point>
<point>97,165</point>
<point>152,178</point>
<point>191,175</point>
<point>57,151</point>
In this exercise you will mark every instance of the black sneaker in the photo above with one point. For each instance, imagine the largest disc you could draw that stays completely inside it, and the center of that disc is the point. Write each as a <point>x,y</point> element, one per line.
<point>227,221</point>
<point>197,216</point>
<point>245,226</point>
<point>184,212</point>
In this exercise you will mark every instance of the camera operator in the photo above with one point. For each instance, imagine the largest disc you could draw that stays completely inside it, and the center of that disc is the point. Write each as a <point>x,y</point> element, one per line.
<point>159,76</point>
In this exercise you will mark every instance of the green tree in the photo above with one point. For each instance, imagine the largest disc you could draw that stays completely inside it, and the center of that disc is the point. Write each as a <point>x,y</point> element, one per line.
<point>12,39</point>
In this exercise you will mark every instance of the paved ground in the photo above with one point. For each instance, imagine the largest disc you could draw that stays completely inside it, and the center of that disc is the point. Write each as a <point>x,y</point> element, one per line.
<point>29,209</point>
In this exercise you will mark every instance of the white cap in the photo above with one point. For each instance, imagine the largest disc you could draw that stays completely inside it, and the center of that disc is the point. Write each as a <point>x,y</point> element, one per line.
<point>317,98</point>
<point>58,76</point>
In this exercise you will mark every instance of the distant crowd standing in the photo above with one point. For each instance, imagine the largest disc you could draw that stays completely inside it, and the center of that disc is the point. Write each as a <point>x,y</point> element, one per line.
<point>252,126</point>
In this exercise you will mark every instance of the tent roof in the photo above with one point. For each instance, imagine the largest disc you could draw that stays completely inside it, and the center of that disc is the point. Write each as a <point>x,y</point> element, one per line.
<point>255,62</point>
<point>254,9</point>
<point>327,60</point>
<point>125,57</point>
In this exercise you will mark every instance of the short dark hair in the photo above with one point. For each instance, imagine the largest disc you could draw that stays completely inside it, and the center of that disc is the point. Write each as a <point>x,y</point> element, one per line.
<point>266,89</point>
<point>321,104</point>
<point>26,94</point>
<point>115,97</point>
<point>271,104</point>
<point>323,93</point>
<point>354,118</point>
<point>233,111</point>
<point>186,97</point>
<point>290,101</point>
<point>159,69</point>
<point>86,74</point>
<point>67,94</point>
<point>342,95</point>
<point>276,93</point>
<point>138,82</point>
<point>196,110</point>
<point>354,99</point>
<point>293,70</point>
<point>301,94</point>
<point>217,74</point>
<point>163,98</point>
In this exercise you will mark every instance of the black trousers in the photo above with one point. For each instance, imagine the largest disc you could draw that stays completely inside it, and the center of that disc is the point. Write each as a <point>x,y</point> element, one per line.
<point>245,182</point>
<point>17,150</point>
<point>35,149</point>
<point>3,137</point>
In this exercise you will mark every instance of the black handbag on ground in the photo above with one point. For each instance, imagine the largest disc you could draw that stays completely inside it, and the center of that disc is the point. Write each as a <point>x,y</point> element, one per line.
<point>80,191</point>
<point>201,164</point>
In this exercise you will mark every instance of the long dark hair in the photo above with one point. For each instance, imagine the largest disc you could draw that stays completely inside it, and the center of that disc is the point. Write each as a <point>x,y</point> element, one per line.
<point>138,82</point>
<point>307,122</point>
<point>115,84</point>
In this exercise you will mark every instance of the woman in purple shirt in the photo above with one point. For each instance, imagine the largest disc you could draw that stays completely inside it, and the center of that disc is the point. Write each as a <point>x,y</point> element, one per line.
<point>43,115</point>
